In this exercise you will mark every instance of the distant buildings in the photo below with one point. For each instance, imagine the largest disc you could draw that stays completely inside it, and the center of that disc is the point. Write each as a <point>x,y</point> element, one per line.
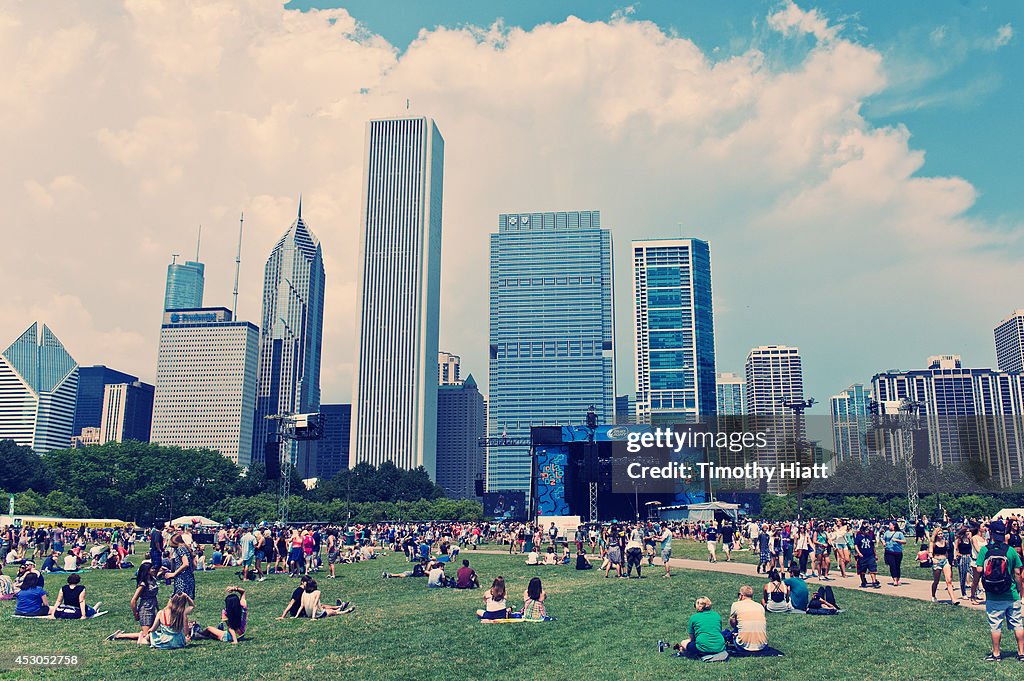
<point>730,390</point>
<point>625,409</point>
<point>673,330</point>
<point>332,451</point>
<point>92,385</point>
<point>38,387</point>
<point>127,412</point>
<point>1009,337</point>
<point>87,438</point>
<point>461,422</point>
<point>774,375</point>
<point>969,414</point>
<point>205,392</point>
<point>448,369</point>
<point>552,352</point>
<point>851,421</point>
<point>185,282</point>
<point>394,408</point>
<point>290,344</point>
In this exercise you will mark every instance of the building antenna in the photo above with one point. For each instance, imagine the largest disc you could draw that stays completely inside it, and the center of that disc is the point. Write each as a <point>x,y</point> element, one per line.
<point>174,258</point>
<point>238,264</point>
<point>199,240</point>
<point>406,103</point>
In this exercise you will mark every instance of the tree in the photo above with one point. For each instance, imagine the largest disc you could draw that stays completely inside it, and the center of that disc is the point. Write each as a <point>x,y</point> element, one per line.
<point>22,469</point>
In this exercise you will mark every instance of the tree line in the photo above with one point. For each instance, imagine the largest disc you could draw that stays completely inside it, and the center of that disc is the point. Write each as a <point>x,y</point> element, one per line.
<point>145,483</point>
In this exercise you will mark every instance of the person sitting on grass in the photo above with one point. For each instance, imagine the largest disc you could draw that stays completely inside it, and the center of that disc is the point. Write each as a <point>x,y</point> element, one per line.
<point>171,629</point>
<point>294,607</point>
<point>435,576</point>
<point>581,561</point>
<point>418,570</point>
<point>799,595</point>
<point>748,622</point>
<point>705,631</point>
<point>50,564</point>
<point>466,577</point>
<point>775,594</point>
<point>6,587</point>
<point>823,602</point>
<point>233,618</point>
<point>533,558</point>
<point>144,603</point>
<point>495,606</point>
<point>71,603</point>
<point>566,557</point>
<point>70,561</point>
<point>314,609</point>
<point>31,599</point>
<point>550,558</point>
<point>533,601</point>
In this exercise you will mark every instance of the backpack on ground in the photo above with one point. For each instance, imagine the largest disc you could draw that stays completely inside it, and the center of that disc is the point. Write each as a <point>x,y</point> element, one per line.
<point>995,572</point>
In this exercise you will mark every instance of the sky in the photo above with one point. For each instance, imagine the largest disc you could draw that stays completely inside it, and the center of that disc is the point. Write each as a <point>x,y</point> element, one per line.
<point>854,166</point>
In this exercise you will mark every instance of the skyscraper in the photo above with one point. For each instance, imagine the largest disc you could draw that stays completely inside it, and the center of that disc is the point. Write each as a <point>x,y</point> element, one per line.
<point>394,407</point>
<point>127,412</point>
<point>38,384</point>
<point>290,342</point>
<point>1009,336</point>
<point>851,420</point>
<point>461,422</point>
<point>185,283</point>
<point>625,409</point>
<point>552,331</point>
<point>775,376</point>
<point>674,331</point>
<point>969,414</point>
<point>205,393</point>
<point>92,383</point>
<point>333,449</point>
<point>731,394</point>
<point>448,369</point>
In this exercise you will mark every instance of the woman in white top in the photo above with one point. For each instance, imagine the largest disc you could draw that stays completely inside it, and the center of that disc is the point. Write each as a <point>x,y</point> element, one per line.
<point>314,609</point>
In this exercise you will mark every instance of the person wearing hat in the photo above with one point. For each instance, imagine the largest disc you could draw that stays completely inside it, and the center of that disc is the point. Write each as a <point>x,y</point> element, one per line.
<point>999,569</point>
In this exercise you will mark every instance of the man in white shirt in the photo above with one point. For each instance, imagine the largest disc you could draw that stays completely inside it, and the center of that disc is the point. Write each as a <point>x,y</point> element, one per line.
<point>748,620</point>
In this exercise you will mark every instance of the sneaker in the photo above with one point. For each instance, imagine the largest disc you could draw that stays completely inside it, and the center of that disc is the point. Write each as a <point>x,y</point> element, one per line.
<point>115,634</point>
<point>1020,658</point>
<point>383,575</point>
<point>995,658</point>
<point>343,604</point>
<point>876,585</point>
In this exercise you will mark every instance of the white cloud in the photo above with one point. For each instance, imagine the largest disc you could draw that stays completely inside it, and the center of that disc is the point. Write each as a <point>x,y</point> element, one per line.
<point>1002,38</point>
<point>165,115</point>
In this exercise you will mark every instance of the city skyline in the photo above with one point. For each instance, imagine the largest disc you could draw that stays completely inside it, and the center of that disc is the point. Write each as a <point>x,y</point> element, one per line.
<point>638,160</point>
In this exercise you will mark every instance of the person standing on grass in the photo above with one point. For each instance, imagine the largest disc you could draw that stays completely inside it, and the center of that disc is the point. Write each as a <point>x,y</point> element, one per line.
<point>867,561</point>
<point>964,555</point>
<point>181,569</point>
<point>634,553</point>
<point>728,537</point>
<point>977,544</point>
<point>711,536</point>
<point>665,537</point>
<point>894,541</point>
<point>941,552</point>
<point>247,553</point>
<point>999,570</point>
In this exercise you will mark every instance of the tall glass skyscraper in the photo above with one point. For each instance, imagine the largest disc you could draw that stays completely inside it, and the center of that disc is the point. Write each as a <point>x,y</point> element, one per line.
<point>38,385</point>
<point>1009,336</point>
<point>851,420</point>
<point>290,342</point>
<point>394,407</point>
<point>551,331</point>
<point>92,384</point>
<point>674,331</point>
<point>185,283</point>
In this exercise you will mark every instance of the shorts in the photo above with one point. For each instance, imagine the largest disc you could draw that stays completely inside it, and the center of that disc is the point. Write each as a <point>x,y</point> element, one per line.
<point>1000,611</point>
<point>333,556</point>
<point>867,564</point>
<point>247,562</point>
<point>147,612</point>
<point>712,545</point>
<point>939,563</point>
<point>295,555</point>
<point>666,554</point>
<point>260,556</point>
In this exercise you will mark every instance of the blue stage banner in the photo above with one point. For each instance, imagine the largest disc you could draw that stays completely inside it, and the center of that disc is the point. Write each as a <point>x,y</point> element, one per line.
<point>550,475</point>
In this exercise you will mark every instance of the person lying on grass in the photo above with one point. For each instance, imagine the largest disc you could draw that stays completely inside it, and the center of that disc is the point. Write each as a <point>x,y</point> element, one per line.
<point>144,603</point>
<point>705,631</point>
<point>533,601</point>
<point>495,605</point>
<point>233,618</point>
<point>418,570</point>
<point>314,609</point>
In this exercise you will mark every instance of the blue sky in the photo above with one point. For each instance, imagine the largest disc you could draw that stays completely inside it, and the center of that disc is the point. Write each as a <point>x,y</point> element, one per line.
<point>963,103</point>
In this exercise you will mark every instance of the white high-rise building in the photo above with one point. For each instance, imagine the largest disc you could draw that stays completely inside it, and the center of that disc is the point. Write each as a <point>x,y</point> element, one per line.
<point>731,394</point>
<point>448,369</point>
<point>394,405</point>
<point>775,375</point>
<point>206,382</point>
<point>38,387</point>
<point>290,344</point>
<point>1009,336</point>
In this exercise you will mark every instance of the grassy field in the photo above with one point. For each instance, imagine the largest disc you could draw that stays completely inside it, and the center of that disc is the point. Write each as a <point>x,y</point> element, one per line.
<point>605,629</point>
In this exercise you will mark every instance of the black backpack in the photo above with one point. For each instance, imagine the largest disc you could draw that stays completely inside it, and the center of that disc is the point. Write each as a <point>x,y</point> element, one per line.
<point>996,576</point>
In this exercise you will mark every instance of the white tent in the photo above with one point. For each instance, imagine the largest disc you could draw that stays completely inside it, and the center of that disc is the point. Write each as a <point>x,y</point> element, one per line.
<point>699,512</point>
<point>1008,512</point>
<point>193,520</point>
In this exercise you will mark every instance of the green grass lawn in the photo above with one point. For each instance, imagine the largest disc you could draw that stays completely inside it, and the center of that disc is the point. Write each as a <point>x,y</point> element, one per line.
<point>605,629</point>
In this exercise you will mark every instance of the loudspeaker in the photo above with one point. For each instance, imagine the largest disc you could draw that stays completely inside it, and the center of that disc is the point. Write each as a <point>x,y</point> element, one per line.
<point>479,487</point>
<point>272,460</point>
<point>922,448</point>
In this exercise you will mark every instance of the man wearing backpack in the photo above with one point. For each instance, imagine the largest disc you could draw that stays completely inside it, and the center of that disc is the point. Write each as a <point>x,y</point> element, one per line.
<point>999,568</point>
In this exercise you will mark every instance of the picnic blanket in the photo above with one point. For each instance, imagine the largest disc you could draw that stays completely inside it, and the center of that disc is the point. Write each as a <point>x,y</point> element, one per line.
<point>51,617</point>
<point>767,651</point>
<point>510,620</point>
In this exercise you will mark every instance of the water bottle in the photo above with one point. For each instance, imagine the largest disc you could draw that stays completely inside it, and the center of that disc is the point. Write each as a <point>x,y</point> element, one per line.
<point>661,646</point>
